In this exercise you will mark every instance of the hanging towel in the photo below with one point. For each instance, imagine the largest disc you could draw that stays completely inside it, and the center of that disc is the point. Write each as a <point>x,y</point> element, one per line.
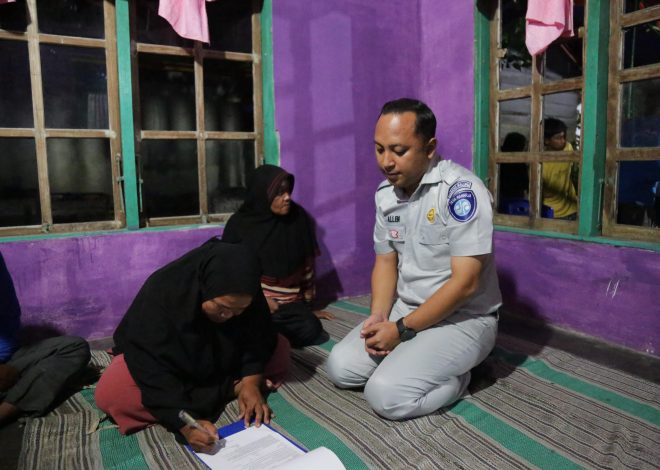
<point>546,21</point>
<point>187,17</point>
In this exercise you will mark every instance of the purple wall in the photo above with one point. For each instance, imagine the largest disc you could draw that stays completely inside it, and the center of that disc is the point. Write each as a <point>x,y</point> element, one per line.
<point>604,291</point>
<point>84,285</point>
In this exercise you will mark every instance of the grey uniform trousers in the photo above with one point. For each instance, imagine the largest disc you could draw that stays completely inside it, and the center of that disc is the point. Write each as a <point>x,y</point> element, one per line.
<point>46,369</point>
<point>419,376</point>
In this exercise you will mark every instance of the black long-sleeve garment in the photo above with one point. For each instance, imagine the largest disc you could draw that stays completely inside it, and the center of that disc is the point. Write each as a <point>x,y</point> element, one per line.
<point>176,355</point>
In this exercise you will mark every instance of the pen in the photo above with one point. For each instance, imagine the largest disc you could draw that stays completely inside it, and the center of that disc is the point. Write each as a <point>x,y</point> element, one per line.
<point>190,421</point>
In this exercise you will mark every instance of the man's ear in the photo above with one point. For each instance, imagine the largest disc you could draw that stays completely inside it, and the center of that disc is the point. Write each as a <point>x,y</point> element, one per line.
<point>431,145</point>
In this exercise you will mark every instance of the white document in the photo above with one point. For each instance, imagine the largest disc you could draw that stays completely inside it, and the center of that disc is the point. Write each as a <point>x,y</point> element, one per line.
<point>262,448</point>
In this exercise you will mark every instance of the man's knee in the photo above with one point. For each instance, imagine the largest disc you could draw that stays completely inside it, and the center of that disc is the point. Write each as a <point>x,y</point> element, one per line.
<point>387,398</point>
<point>338,366</point>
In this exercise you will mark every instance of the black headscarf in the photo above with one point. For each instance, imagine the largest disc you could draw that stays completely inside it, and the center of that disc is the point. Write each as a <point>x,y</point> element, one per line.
<point>176,355</point>
<point>282,243</point>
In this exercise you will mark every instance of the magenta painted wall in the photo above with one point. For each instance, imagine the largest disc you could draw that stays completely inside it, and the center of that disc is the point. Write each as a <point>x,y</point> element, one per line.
<point>604,291</point>
<point>84,285</point>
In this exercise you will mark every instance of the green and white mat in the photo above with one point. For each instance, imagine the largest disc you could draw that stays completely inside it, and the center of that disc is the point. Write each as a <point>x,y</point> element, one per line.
<point>531,406</point>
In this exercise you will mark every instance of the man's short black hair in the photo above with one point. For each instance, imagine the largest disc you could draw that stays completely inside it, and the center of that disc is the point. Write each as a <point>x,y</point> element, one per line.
<point>424,121</point>
<point>552,126</point>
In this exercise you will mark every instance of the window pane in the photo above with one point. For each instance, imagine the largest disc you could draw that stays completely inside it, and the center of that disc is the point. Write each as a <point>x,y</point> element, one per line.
<point>228,102</point>
<point>15,90</point>
<point>638,193</point>
<point>514,117</point>
<point>19,187</point>
<point>75,87</point>
<point>80,179</point>
<point>640,113</point>
<point>154,29</point>
<point>560,121</point>
<point>559,182</point>
<point>167,93</point>
<point>14,16</point>
<point>169,171</point>
<point>230,25</point>
<point>513,188</point>
<point>563,58</point>
<point>227,164</point>
<point>634,5</point>
<point>641,45</point>
<point>515,68</point>
<point>80,18</point>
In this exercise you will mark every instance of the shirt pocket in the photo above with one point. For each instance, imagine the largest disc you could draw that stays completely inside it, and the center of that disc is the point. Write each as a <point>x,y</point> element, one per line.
<point>432,248</point>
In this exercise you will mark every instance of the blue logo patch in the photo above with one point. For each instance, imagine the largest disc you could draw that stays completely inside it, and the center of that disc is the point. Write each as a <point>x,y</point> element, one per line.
<point>462,205</point>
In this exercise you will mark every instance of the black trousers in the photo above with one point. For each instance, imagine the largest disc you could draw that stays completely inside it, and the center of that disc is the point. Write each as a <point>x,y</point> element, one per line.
<point>298,324</point>
<point>46,369</point>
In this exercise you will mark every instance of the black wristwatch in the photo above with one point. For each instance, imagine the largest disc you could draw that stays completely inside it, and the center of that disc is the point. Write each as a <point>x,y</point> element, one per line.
<point>405,333</point>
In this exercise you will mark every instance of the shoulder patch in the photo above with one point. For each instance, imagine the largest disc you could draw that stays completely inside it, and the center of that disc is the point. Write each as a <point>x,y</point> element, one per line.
<point>461,201</point>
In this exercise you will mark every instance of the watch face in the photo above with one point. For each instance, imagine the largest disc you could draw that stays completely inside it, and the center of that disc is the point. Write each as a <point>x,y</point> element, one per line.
<point>407,334</point>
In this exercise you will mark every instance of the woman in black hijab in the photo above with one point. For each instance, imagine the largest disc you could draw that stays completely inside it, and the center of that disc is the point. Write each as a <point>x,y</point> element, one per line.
<point>197,335</point>
<point>282,235</point>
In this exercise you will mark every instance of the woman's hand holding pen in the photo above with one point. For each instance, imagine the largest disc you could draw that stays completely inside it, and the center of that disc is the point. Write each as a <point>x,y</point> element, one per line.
<point>201,440</point>
<point>251,402</point>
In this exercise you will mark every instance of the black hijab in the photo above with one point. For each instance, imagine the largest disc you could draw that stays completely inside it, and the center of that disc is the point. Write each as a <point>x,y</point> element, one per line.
<point>282,242</point>
<point>176,355</point>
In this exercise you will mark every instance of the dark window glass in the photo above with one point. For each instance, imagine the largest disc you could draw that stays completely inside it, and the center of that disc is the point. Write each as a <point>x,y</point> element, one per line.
<point>641,45</point>
<point>15,89</point>
<point>227,164</point>
<point>154,29</point>
<point>560,114</point>
<point>80,18</point>
<point>169,172</point>
<point>230,25</point>
<point>14,16</point>
<point>640,113</point>
<point>515,68</point>
<point>513,188</point>
<point>19,186</point>
<point>559,183</point>
<point>514,118</point>
<point>634,5</point>
<point>75,87</point>
<point>167,93</point>
<point>80,177</point>
<point>638,193</point>
<point>228,102</point>
<point>563,58</point>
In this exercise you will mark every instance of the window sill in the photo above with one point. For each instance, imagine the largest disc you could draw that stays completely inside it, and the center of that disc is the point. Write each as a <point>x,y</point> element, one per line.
<point>567,236</point>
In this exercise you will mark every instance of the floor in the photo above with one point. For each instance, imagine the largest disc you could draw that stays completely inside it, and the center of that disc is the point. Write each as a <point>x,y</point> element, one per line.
<point>612,356</point>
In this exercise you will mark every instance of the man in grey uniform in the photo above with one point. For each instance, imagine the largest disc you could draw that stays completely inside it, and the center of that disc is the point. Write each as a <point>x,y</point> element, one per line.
<point>433,243</point>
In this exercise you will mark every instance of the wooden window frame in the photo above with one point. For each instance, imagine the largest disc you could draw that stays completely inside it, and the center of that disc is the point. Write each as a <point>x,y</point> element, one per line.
<point>200,135</point>
<point>535,91</point>
<point>617,77</point>
<point>40,133</point>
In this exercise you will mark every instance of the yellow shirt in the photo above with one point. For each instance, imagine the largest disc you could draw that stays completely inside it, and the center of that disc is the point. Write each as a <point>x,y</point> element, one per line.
<point>558,189</point>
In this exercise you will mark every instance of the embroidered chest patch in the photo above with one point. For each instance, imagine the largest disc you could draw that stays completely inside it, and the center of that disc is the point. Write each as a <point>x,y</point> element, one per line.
<point>462,203</point>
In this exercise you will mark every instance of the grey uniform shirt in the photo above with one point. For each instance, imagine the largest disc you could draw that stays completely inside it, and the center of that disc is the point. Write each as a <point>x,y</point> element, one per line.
<point>449,214</point>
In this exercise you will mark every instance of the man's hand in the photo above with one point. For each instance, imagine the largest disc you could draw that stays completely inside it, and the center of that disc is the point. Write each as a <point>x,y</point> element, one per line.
<point>251,402</point>
<point>379,339</point>
<point>8,377</point>
<point>199,440</point>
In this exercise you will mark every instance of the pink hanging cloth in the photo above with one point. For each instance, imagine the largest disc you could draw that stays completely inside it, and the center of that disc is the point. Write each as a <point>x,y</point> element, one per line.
<point>187,17</point>
<point>546,21</point>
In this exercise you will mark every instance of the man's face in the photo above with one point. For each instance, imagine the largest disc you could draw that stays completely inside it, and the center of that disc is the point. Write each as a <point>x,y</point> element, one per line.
<point>402,155</point>
<point>226,307</point>
<point>557,142</point>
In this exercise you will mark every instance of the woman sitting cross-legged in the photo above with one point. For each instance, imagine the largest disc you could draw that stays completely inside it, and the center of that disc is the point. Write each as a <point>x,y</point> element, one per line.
<point>197,336</point>
<point>281,233</point>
